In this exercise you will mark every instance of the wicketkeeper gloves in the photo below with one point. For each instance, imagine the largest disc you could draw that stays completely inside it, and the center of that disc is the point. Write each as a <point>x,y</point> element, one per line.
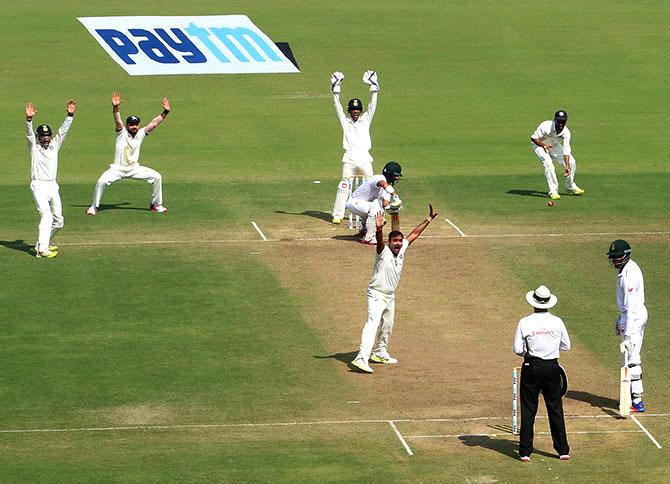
<point>370,78</point>
<point>336,81</point>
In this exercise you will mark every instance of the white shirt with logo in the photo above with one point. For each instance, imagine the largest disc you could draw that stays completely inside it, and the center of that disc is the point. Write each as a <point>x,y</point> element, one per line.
<point>542,335</point>
<point>127,153</point>
<point>369,191</point>
<point>386,273</point>
<point>356,139</point>
<point>630,298</point>
<point>546,133</point>
<point>44,161</point>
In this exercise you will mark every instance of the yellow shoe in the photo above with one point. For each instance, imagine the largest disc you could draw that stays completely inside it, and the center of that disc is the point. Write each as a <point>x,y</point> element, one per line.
<point>53,248</point>
<point>337,220</point>
<point>47,254</point>
<point>554,196</point>
<point>576,191</point>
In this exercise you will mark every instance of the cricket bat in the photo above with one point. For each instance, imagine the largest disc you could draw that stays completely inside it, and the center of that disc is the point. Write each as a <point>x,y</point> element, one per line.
<point>395,221</point>
<point>624,388</point>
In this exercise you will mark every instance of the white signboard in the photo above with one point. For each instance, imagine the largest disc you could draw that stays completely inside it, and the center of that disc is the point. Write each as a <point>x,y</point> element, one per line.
<point>214,44</point>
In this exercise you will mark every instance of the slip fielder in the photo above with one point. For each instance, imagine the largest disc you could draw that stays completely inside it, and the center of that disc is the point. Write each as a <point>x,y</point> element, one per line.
<point>381,292</point>
<point>43,170</point>
<point>126,164</point>
<point>356,140</point>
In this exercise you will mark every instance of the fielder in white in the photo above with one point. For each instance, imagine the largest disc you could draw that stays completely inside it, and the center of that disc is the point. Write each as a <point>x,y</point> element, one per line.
<point>127,155</point>
<point>551,142</point>
<point>630,324</point>
<point>381,293</point>
<point>373,196</point>
<point>356,161</point>
<point>43,170</point>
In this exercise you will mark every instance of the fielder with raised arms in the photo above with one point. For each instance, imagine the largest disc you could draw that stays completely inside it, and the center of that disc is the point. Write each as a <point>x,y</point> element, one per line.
<point>375,195</point>
<point>381,292</point>
<point>127,155</point>
<point>43,171</point>
<point>549,142</point>
<point>356,161</point>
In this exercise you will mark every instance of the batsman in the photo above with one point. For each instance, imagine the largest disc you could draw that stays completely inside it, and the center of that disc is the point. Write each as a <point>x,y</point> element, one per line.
<point>356,161</point>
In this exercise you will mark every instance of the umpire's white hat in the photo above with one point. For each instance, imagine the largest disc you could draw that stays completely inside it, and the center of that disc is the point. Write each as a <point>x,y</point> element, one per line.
<point>541,298</point>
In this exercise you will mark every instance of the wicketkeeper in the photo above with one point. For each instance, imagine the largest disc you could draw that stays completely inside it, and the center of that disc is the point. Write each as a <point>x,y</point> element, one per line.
<point>356,161</point>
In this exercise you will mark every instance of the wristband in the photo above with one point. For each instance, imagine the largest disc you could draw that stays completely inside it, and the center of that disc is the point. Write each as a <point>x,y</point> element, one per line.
<point>429,220</point>
<point>390,190</point>
<point>166,112</point>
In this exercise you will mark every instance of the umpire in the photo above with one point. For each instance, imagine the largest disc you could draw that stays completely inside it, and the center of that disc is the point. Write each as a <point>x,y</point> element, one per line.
<point>539,338</point>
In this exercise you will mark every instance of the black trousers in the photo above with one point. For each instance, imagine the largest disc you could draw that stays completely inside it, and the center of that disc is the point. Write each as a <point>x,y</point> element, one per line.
<point>541,376</point>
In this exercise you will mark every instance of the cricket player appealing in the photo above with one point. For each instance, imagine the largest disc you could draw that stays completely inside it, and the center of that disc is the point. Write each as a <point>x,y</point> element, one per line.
<point>381,293</point>
<point>539,338</point>
<point>630,324</point>
<point>356,161</point>
<point>43,170</point>
<point>375,195</point>
<point>126,157</point>
<point>551,141</point>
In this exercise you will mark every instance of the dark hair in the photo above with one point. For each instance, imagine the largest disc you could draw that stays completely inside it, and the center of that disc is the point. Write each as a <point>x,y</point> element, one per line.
<point>395,233</point>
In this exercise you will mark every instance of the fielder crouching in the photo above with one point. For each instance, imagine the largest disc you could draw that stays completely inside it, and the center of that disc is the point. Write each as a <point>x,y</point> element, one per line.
<point>381,292</point>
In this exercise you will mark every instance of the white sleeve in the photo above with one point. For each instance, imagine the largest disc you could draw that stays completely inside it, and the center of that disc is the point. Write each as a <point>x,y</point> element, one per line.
<point>30,135</point>
<point>63,130</point>
<point>519,344</point>
<point>565,338</point>
<point>631,311</point>
<point>338,110</point>
<point>540,132</point>
<point>567,150</point>
<point>372,107</point>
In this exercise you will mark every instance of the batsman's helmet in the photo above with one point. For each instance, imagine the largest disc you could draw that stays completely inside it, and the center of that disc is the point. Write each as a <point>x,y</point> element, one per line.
<point>132,119</point>
<point>561,116</point>
<point>392,170</point>
<point>355,103</point>
<point>619,253</point>
<point>43,130</point>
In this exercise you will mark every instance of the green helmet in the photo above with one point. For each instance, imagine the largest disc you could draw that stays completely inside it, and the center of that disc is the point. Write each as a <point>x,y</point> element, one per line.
<point>392,169</point>
<point>619,248</point>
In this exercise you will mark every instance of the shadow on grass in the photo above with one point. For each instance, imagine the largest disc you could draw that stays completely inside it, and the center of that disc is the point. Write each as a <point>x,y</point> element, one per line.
<point>607,405</point>
<point>342,357</point>
<point>19,245</point>
<point>504,446</point>
<point>309,213</point>
<point>114,206</point>
<point>527,193</point>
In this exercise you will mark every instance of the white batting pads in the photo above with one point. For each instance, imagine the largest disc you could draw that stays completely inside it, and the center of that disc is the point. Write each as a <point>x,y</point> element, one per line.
<point>336,81</point>
<point>370,78</point>
<point>341,198</point>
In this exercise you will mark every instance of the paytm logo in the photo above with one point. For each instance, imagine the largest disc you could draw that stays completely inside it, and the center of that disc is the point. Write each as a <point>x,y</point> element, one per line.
<point>228,44</point>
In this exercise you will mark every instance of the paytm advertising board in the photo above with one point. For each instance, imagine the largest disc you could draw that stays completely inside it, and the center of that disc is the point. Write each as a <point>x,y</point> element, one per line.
<point>213,44</point>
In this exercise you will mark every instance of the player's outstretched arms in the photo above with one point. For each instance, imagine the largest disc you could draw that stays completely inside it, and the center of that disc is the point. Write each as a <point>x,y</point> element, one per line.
<point>414,234</point>
<point>159,119</point>
<point>380,221</point>
<point>116,100</point>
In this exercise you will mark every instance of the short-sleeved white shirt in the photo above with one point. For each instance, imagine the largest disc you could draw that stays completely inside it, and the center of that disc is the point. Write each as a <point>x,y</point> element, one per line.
<point>386,273</point>
<point>127,153</point>
<point>560,142</point>
<point>369,190</point>
<point>630,298</point>
<point>542,335</point>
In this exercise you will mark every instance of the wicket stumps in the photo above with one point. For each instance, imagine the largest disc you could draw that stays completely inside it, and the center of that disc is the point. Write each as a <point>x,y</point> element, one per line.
<point>516,373</point>
<point>354,183</point>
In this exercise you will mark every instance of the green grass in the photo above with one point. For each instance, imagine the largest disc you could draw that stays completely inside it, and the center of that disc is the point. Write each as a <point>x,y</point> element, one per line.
<point>122,330</point>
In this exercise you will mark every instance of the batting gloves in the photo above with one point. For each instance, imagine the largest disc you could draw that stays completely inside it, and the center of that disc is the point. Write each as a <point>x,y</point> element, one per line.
<point>335,82</point>
<point>370,78</point>
<point>627,345</point>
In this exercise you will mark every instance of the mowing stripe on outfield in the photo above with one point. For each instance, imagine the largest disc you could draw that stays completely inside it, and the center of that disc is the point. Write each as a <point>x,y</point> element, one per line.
<point>289,424</point>
<point>260,232</point>
<point>402,440</point>
<point>647,433</point>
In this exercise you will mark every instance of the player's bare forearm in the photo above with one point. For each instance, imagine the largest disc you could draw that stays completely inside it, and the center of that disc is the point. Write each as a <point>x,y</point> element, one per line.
<point>380,221</point>
<point>418,230</point>
<point>159,119</point>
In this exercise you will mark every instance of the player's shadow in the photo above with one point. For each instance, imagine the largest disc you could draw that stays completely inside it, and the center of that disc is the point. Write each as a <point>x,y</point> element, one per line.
<point>309,213</point>
<point>355,237</point>
<point>114,206</point>
<point>527,193</point>
<point>504,446</point>
<point>607,405</point>
<point>18,244</point>
<point>342,357</point>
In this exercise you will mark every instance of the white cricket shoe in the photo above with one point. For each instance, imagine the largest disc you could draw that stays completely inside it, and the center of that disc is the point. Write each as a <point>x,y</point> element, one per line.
<point>383,358</point>
<point>362,365</point>
<point>157,208</point>
<point>91,210</point>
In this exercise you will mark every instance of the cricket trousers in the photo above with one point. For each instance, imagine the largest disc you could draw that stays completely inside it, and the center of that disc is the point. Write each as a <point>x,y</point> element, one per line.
<point>541,376</point>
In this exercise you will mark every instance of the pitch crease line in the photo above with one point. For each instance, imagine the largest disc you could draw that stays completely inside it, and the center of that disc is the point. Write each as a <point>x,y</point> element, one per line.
<point>647,433</point>
<point>260,232</point>
<point>402,440</point>
<point>454,226</point>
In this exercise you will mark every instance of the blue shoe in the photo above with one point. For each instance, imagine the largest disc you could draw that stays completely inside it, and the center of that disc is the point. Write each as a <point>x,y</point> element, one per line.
<point>637,407</point>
